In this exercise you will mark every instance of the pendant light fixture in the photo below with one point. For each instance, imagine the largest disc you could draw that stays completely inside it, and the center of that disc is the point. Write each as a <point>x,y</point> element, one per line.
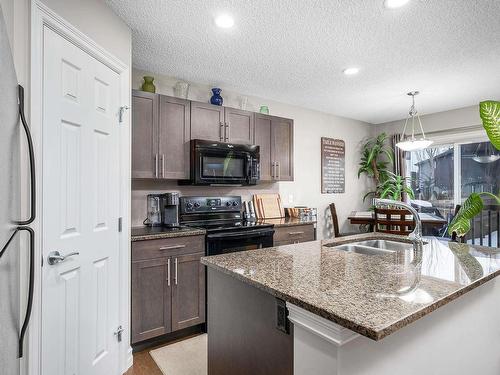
<point>410,142</point>
<point>488,157</point>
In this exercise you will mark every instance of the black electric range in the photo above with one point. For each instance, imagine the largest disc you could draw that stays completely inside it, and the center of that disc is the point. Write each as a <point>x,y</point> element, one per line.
<point>226,230</point>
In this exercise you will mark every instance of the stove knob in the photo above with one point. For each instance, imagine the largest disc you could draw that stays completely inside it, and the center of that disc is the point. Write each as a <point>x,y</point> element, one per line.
<point>228,203</point>
<point>235,203</point>
<point>197,205</point>
<point>189,205</point>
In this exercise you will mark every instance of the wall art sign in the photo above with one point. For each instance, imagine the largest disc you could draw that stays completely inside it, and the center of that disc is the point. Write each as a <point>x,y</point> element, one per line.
<point>332,166</point>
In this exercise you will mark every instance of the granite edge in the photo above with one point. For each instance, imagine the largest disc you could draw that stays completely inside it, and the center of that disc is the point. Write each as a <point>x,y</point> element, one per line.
<point>374,334</point>
<point>159,236</point>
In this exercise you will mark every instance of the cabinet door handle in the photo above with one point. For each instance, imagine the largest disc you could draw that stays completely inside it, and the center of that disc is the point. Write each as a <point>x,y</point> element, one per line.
<point>227,124</point>
<point>272,170</point>
<point>156,165</point>
<point>168,272</point>
<point>278,168</point>
<point>172,247</point>
<point>294,233</point>
<point>221,131</point>
<point>175,277</point>
<point>163,165</point>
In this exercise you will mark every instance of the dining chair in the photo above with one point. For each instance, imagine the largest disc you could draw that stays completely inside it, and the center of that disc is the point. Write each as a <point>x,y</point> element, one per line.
<point>454,236</point>
<point>335,220</point>
<point>394,221</point>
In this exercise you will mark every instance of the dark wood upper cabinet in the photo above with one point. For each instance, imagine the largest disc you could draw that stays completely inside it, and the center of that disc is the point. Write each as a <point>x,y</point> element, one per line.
<point>162,127</point>
<point>188,291</point>
<point>282,148</point>
<point>274,135</point>
<point>150,295</point>
<point>173,137</point>
<point>207,122</point>
<point>263,139</point>
<point>144,134</point>
<point>222,124</point>
<point>239,126</point>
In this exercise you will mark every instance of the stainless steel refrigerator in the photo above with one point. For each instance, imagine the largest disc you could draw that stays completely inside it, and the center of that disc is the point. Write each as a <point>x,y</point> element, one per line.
<point>13,127</point>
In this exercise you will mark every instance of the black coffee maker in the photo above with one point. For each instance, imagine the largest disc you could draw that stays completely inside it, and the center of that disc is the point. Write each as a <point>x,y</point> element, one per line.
<point>170,212</point>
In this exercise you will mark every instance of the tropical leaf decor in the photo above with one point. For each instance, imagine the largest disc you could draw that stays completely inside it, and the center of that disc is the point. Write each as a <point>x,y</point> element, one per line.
<point>472,207</point>
<point>490,115</point>
<point>394,187</point>
<point>371,158</point>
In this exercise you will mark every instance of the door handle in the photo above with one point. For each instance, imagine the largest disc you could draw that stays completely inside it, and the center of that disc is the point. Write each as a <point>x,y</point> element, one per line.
<point>278,169</point>
<point>175,276</point>
<point>29,304</point>
<point>163,165</point>
<point>172,247</point>
<point>227,124</point>
<point>272,170</point>
<point>31,157</point>
<point>56,257</point>
<point>221,131</point>
<point>156,165</point>
<point>168,272</point>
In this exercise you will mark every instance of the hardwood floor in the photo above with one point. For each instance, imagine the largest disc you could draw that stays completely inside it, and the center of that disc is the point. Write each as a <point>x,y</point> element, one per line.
<point>144,363</point>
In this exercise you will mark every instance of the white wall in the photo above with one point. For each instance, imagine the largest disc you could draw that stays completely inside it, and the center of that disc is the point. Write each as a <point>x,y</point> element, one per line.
<point>454,120</point>
<point>309,127</point>
<point>95,19</point>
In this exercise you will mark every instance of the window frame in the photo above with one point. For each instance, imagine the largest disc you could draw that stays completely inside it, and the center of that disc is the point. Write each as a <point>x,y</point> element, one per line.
<point>457,139</point>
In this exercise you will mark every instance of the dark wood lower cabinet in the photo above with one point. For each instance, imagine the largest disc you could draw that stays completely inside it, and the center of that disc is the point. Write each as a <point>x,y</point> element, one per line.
<point>293,234</point>
<point>242,334</point>
<point>188,292</point>
<point>168,286</point>
<point>150,295</point>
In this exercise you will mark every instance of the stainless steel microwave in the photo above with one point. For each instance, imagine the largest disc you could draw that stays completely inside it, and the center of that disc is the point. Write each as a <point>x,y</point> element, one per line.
<point>218,163</point>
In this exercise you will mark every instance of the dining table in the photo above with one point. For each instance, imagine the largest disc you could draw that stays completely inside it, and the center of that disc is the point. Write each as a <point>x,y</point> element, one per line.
<point>368,218</point>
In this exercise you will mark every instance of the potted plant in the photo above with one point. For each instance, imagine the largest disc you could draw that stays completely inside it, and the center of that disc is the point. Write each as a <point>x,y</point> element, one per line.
<point>376,158</point>
<point>394,187</point>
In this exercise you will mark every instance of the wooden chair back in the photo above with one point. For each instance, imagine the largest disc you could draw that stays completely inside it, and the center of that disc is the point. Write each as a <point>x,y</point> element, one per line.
<point>394,221</point>
<point>335,220</point>
<point>454,236</point>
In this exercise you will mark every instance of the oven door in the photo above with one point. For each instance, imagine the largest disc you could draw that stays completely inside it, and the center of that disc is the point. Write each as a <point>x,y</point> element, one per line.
<point>214,166</point>
<point>229,242</point>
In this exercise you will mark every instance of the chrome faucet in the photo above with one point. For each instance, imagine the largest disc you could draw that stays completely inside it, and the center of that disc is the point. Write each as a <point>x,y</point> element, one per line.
<point>416,235</point>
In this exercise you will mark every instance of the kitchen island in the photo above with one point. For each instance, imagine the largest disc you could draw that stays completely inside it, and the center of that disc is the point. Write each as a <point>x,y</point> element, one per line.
<point>355,312</point>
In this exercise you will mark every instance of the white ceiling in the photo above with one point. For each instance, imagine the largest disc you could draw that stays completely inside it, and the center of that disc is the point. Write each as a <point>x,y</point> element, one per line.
<point>294,51</point>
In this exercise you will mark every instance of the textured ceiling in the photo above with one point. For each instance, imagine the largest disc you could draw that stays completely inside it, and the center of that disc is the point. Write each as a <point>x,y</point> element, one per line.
<point>294,51</point>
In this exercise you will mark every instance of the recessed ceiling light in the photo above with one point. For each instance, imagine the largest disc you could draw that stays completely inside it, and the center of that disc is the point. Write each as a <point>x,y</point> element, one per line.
<point>224,21</point>
<point>351,71</point>
<point>394,4</point>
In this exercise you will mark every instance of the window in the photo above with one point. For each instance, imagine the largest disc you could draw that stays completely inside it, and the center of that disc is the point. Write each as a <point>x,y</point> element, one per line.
<point>445,174</point>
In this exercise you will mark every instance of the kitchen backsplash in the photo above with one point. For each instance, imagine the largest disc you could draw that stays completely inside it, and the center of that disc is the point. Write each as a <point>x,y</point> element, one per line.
<point>141,188</point>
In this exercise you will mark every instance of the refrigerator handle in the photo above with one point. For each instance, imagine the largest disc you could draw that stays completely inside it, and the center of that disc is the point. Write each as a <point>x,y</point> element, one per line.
<point>29,305</point>
<point>31,156</point>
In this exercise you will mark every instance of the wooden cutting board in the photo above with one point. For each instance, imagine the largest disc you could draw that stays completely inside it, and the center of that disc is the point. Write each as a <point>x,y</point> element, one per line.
<point>268,206</point>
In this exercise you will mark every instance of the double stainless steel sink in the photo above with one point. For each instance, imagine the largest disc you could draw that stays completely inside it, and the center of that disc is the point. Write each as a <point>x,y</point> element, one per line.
<point>373,247</point>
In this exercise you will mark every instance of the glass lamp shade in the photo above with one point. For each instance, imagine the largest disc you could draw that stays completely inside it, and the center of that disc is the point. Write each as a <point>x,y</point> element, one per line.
<point>414,144</point>
<point>486,159</point>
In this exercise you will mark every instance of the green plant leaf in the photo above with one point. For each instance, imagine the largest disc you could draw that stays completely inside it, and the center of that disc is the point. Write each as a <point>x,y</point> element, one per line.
<point>470,208</point>
<point>490,114</point>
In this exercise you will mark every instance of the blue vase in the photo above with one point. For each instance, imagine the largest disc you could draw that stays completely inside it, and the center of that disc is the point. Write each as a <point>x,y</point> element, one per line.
<point>216,99</point>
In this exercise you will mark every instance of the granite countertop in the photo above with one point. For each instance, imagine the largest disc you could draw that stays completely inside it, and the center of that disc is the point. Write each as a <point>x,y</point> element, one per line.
<point>156,233</point>
<point>289,221</point>
<point>373,295</point>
